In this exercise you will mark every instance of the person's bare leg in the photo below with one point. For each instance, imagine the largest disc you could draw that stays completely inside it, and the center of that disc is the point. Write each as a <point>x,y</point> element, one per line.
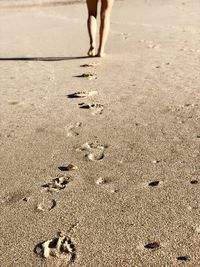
<point>92,25</point>
<point>106,6</point>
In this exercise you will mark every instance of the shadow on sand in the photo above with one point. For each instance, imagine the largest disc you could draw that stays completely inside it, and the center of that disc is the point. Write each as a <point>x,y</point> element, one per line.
<point>40,58</point>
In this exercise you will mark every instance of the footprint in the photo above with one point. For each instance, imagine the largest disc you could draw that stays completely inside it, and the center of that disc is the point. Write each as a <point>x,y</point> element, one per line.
<point>73,130</point>
<point>46,206</point>
<point>97,109</point>
<point>57,184</point>
<point>150,44</point>
<point>82,94</point>
<point>60,248</point>
<point>93,151</point>
<point>89,76</point>
<point>93,64</point>
<point>13,197</point>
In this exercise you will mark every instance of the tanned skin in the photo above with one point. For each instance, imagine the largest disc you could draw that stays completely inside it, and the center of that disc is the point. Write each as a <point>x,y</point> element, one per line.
<point>106,7</point>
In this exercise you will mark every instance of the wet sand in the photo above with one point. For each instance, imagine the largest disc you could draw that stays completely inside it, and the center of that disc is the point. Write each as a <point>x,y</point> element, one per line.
<point>131,194</point>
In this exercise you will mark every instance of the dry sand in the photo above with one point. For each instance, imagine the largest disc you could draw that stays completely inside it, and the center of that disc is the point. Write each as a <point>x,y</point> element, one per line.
<point>31,3</point>
<point>146,129</point>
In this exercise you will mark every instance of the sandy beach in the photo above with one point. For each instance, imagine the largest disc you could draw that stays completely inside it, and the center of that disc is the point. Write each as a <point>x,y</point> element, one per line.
<point>108,177</point>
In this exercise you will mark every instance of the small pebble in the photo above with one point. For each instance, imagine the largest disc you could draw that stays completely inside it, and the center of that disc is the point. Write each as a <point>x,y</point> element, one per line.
<point>101,181</point>
<point>183,258</point>
<point>194,182</point>
<point>40,207</point>
<point>53,204</point>
<point>26,199</point>
<point>154,183</point>
<point>155,161</point>
<point>153,245</point>
<point>114,190</point>
<point>69,167</point>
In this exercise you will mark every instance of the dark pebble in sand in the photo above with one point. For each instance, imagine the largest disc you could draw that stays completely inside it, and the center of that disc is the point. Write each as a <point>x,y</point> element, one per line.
<point>154,183</point>
<point>152,245</point>
<point>63,168</point>
<point>194,182</point>
<point>26,199</point>
<point>183,258</point>
<point>69,167</point>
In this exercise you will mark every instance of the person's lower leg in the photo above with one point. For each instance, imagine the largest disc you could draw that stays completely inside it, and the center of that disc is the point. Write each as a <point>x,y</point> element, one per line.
<point>104,30</point>
<point>92,29</point>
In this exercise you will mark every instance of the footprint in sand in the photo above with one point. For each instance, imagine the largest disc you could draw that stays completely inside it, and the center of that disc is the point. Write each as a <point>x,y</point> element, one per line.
<point>89,76</point>
<point>97,109</point>
<point>150,44</point>
<point>73,130</point>
<point>59,250</point>
<point>57,184</point>
<point>90,65</point>
<point>47,206</point>
<point>11,198</point>
<point>82,94</point>
<point>93,151</point>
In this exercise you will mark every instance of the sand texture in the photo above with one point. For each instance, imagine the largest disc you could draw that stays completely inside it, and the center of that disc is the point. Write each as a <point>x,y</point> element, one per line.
<point>99,158</point>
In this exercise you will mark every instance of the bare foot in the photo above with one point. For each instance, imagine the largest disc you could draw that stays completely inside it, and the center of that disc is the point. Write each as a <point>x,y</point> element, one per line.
<point>91,52</point>
<point>100,54</point>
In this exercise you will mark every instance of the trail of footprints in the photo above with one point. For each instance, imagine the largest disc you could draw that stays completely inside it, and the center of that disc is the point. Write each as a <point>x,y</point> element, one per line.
<point>96,108</point>
<point>61,249</point>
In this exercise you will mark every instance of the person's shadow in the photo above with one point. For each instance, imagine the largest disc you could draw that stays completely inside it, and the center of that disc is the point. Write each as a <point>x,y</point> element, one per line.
<point>40,58</point>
